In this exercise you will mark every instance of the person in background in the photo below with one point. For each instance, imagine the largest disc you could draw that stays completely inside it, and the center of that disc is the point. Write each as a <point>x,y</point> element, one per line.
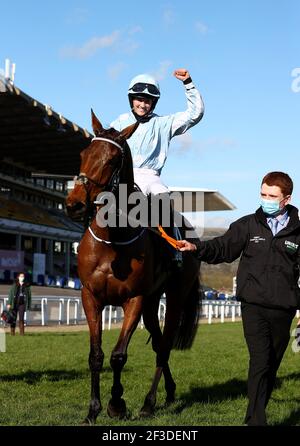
<point>19,301</point>
<point>149,144</point>
<point>267,282</point>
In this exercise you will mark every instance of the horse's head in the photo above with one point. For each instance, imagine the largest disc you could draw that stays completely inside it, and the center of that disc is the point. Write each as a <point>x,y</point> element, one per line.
<point>105,163</point>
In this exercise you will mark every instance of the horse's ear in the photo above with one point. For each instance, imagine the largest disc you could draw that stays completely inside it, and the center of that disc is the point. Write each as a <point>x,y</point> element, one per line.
<point>97,127</point>
<point>126,133</point>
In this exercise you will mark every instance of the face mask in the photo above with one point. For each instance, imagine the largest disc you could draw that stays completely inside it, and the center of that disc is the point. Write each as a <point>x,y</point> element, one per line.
<point>270,207</point>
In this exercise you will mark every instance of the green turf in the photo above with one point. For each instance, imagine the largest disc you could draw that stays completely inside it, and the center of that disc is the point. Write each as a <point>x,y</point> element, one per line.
<point>44,380</point>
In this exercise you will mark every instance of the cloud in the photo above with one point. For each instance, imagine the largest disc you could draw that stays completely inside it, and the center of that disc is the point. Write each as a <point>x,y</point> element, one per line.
<point>217,222</point>
<point>121,41</point>
<point>77,16</point>
<point>168,16</point>
<point>162,70</point>
<point>115,71</point>
<point>201,27</point>
<point>89,48</point>
<point>127,45</point>
<point>134,30</point>
<point>184,143</point>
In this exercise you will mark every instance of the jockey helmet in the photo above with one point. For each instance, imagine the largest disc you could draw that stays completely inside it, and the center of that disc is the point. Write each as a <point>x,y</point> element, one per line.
<point>144,86</point>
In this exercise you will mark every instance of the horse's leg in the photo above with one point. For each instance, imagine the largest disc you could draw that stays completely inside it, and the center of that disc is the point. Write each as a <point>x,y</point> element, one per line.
<point>96,356</point>
<point>152,324</point>
<point>132,312</point>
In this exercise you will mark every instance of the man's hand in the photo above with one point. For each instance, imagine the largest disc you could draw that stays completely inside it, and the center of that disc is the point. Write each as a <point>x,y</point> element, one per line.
<point>184,245</point>
<point>8,306</point>
<point>182,74</point>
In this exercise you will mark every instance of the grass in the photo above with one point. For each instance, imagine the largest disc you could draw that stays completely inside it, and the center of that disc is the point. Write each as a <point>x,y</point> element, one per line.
<point>45,381</point>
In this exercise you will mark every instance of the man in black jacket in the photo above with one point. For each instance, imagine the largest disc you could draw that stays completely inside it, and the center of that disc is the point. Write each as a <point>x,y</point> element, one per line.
<point>267,282</point>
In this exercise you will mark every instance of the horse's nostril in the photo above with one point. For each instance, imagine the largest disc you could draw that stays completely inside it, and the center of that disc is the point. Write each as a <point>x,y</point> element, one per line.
<point>78,206</point>
<point>75,207</point>
<point>76,211</point>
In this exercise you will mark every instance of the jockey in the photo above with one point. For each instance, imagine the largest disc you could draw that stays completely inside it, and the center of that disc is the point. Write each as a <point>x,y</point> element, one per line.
<point>149,144</point>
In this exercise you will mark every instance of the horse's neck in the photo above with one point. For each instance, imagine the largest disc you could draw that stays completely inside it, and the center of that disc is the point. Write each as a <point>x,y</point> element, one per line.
<point>98,229</point>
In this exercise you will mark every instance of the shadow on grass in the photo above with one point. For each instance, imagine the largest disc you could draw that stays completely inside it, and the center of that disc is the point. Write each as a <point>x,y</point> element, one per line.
<point>281,379</point>
<point>229,390</point>
<point>34,377</point>
<point>293,419</point>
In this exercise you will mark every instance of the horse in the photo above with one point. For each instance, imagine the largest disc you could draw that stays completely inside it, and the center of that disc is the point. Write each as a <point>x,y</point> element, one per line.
<point>128,267</point>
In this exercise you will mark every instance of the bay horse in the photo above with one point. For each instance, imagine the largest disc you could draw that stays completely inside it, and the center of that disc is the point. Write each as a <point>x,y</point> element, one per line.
<point>128,267</point>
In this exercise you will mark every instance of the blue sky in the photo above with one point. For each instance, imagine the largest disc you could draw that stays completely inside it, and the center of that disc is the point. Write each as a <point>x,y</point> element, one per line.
<point>241,54</point>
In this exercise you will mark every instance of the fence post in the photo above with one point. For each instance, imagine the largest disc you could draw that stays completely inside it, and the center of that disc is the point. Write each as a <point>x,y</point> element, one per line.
<point>142,322</point>
<point>233,312</point>
<point>222,312</point>
<point>60,311</point>
<point>76,306</point>
<point>103,318</point>
<point>2,340</point>
<point>109,317</point>
<point>210,313</point>
<point>43,313</point>
<point>216,309</point>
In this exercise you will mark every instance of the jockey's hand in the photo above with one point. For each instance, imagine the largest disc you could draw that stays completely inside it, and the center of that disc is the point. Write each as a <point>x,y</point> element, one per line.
<point>182,74</point>
<point>184,245</point>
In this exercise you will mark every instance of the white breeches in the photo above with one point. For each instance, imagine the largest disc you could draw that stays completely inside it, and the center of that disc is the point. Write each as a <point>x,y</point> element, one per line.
<point>149,181</point>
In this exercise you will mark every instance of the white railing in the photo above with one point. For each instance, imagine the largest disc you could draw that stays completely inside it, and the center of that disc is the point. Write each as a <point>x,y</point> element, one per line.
<point>221,309</point>
<point>51,310</point>
<point>68,310</point>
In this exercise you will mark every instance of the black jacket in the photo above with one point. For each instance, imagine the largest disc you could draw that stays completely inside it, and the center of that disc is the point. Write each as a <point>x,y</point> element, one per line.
<point>268,271</point>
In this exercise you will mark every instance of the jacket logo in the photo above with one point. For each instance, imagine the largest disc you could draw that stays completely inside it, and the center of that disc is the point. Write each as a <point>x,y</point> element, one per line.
<point>291,246</point>
<point>257,239</point>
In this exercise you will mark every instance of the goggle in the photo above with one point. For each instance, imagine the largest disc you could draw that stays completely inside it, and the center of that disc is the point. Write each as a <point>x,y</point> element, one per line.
<point>140,87</point>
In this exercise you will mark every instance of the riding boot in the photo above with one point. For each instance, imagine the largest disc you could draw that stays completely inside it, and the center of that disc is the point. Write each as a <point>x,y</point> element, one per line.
<point>21,327</point>
<point>12,330</point>
<point>175,233</point>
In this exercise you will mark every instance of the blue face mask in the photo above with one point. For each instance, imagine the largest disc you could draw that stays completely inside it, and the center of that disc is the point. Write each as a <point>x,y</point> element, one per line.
<point>270,207</point>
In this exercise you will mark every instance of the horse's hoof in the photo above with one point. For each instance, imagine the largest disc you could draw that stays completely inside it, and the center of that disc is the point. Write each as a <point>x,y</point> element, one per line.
<point>88,422</point>
<point>169,400</point>
<point>117,410</point>
<point>146,411</point>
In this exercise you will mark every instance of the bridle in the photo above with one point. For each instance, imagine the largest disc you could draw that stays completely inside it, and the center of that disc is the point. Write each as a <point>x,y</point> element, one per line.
<point>113,183</point>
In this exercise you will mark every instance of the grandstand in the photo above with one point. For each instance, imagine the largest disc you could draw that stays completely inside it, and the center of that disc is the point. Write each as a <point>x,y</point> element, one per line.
<point>35,139</point>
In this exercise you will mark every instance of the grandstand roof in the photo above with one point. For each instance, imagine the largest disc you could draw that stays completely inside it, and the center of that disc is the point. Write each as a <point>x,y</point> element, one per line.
<point>32,134</point>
